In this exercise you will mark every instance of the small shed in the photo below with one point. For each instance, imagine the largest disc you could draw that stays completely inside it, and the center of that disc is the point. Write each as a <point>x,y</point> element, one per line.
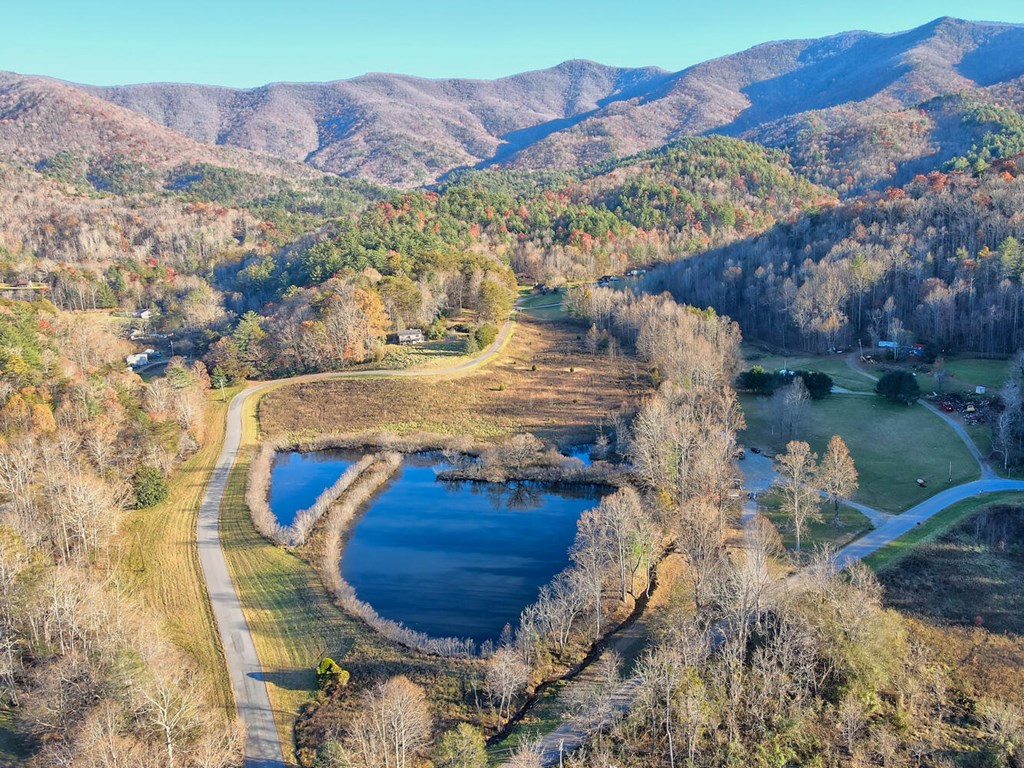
<point>137,360</point>
<point>408,336</point>
<point>979,390</point>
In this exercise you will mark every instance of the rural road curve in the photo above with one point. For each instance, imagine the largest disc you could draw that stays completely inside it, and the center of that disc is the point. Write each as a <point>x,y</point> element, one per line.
<point>897,525</point>
<point>262,744</point>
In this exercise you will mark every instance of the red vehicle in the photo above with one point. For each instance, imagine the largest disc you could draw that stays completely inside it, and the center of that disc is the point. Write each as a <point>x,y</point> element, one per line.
<point>947,407</point>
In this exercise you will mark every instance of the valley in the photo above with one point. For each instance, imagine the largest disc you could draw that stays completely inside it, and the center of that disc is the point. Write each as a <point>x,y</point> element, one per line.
<point>590,415</point>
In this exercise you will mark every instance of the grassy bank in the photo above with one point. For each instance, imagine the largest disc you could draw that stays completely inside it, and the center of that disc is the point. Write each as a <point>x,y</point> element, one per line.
<point>158,561</point>
<point>892,553</point>
<point>968,574</point>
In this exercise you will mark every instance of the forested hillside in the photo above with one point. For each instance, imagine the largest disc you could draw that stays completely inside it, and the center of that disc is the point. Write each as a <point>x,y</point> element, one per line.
<point>853,108</point>
<point>85,666</point>
<point>938,261</point>
<point>328,266</point>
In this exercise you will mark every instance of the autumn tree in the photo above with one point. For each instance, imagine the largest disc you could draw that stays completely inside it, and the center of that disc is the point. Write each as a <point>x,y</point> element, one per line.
<point>837,474</point>
<point>461,747</point>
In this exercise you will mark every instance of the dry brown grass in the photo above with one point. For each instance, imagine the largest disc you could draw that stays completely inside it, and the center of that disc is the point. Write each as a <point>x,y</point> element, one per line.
<point>158,562</point>
<point>987,664</point>
<point>504,398</point>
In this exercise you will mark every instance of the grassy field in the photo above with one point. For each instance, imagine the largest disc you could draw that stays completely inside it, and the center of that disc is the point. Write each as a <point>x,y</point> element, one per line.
<point>834,365</point>
<point>968,574</point>
<point>892,445</point>
<point>541,306</point>
<point>893,553</point>
<point>818,533</point>
<point>971,373</point>
<point>542,382</point>
<point>964,375</point>
<point>159,562</point>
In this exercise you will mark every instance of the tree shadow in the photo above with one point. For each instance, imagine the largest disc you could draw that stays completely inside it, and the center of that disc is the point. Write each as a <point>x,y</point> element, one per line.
<point>299,679</point>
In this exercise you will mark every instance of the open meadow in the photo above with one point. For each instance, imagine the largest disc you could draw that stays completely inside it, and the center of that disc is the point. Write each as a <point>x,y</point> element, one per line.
<point>892,445</point>
<point>542,382</point>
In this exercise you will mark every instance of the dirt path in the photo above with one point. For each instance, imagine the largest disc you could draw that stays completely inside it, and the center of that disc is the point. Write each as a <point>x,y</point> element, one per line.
<point>262,743</point>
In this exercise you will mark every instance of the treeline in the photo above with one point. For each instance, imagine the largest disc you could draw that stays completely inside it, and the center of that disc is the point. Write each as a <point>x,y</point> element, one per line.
<point>87,678</point>
<point>938,262</point>
<point>680,445</point>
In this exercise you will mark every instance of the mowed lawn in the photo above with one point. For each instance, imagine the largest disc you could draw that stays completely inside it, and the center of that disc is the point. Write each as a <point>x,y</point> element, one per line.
<point>892,445</point>
<point>964,375</point>
<point>542,306</point>
<point>987,373</point>
<point>822,532</point>
<point>834,365</point>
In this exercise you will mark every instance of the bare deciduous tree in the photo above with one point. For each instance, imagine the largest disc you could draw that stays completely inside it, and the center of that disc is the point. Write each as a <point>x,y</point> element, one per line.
<point>797,484</point>
<point>392,727</point>
<point>507,674</point>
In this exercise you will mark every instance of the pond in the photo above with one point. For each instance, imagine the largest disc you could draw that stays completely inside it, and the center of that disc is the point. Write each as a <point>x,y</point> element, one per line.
<point>297,479</point>
<point>459,559</point>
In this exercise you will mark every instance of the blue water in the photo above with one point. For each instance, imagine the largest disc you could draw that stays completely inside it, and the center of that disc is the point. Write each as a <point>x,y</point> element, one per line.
<point>297,479</point>
<point>459,559</point>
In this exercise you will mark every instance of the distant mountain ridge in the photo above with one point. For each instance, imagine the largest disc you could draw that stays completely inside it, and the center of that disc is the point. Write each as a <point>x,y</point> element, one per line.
<point>826,99</point>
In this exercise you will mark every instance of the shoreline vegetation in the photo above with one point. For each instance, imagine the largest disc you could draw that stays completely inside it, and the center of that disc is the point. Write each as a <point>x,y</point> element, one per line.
<point>321,529</point>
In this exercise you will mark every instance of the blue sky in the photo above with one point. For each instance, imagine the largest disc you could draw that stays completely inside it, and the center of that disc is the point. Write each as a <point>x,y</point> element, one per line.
<point>226,42</point>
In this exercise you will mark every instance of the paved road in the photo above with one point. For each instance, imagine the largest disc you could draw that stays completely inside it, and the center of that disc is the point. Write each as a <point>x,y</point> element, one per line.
<point>898,525</point>
<point>262,743</point>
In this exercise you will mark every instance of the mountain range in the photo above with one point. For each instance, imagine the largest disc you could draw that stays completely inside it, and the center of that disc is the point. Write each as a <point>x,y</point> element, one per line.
<point>857,110</point>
